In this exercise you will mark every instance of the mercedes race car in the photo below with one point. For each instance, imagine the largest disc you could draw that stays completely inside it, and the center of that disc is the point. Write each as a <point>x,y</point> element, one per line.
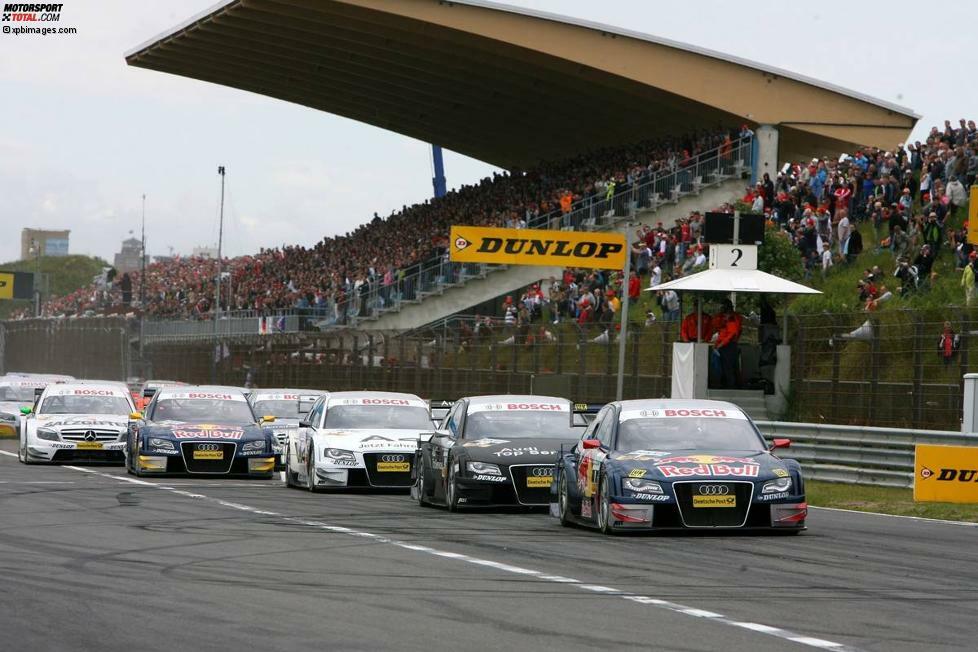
<point>660,464</point>
<point>494,450</point>
<point>357,439</point>
<point>76,422</point>
<point>17,392</point>
<point>288,406</point>
<point>199,429</point>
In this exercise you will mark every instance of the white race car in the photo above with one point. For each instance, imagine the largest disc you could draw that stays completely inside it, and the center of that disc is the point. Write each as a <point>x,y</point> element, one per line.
<point>357,439</point>
<point>288,406</point>
<point>18,391</point>
<point>77,421</point>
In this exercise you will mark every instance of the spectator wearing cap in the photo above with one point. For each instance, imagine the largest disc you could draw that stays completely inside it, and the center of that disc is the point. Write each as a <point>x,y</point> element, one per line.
<point>932,233</point>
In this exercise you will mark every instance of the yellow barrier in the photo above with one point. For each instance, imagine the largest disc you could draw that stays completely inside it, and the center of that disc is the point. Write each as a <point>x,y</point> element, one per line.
<point>945,474</point>
<point>476,244</point>
<point>6,285</point>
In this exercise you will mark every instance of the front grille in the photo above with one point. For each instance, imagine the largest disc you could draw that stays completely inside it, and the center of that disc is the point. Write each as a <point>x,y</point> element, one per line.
<point>713,516</point>
<point>73,455</point>
<point>207,466</point>
<point>378,478</point>
<point>80,435</point>
<point>531,495</point>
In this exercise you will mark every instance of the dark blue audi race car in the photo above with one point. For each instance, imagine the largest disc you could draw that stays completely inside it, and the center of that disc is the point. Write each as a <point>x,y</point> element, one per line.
<point>677,464</point>
<point>200,430</point>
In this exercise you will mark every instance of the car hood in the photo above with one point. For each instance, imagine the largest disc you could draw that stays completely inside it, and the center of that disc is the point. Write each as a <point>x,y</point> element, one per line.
<point>184,431</point>
<point>685,465</point>
<point>368,440</point>
<point>518,449</point>
<point>82,420</point>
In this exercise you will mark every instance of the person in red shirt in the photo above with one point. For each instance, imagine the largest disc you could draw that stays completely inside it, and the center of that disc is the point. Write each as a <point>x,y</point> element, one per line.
<point>688,327</point>
<point>634,287</point>
<point>728,325</point>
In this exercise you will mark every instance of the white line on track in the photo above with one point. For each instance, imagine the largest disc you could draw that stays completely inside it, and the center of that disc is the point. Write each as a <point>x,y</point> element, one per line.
<point>674,607</point>
<point>923,519</point>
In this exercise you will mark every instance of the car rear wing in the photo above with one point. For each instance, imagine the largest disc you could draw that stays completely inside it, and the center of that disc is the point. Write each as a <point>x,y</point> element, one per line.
<point>306,402</point>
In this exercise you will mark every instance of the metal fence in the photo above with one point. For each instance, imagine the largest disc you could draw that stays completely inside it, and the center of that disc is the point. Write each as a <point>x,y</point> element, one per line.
<point>85,348</point>
<point>858,455</point>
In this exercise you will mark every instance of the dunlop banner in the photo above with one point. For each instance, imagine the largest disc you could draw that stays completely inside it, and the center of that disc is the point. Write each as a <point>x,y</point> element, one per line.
<point>945,474</point>
<point>6,285</point>
<point>477,244</point>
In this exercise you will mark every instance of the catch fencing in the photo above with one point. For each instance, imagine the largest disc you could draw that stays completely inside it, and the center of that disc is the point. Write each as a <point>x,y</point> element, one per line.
<point>881,457</point>
<point>84,348</point>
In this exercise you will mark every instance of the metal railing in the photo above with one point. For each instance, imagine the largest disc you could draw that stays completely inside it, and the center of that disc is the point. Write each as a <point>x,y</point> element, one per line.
<point>882,457</point>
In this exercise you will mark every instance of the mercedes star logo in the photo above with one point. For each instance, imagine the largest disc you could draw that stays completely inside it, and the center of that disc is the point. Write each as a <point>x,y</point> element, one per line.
<point>91,436</point>
<point>714,490</point>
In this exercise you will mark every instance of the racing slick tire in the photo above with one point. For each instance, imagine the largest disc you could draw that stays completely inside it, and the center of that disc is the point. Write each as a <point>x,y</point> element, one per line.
<point>451,490</point>
<point>22,454</point>
<point>289,479</point>
<point>422,501</point>
<point>604,507</point>
<point>563,501</point>
<point>311,475</point>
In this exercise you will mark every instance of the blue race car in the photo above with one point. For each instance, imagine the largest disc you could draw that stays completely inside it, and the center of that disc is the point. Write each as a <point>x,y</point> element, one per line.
<point>200,430</point>
<point>677,464</point>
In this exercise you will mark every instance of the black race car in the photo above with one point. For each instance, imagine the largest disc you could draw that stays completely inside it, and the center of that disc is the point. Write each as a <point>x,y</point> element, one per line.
<point>494,450</point>
<point>660,464</point>
<point>210,430</point>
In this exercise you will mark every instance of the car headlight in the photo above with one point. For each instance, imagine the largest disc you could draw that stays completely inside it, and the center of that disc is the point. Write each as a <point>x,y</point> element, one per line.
<point>339,455</point>
<point>776,486</point>
<point>643,486</point>
<point>251,446</point>
<point>48,435</point>
<point>156,442</point>
<point>483,468</point>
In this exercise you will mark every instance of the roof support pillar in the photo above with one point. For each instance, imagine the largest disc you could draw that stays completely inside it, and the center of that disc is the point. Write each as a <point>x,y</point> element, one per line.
<point>765,154</point>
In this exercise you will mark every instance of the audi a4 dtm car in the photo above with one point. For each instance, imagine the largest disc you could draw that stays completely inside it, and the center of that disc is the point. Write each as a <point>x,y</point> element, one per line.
<point>76,421</point>
<point>357,439</point>
<point>659,464</point>
<point>150,387</point>
<point>494,450</point>
<point>288,406</point>
<point>199,429</point>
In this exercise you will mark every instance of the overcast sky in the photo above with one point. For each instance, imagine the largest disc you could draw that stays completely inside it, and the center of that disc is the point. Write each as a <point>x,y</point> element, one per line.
<point>83,136</point>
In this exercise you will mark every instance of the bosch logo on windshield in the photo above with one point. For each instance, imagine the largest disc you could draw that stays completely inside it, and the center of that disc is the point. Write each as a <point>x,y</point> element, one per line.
<point>385,401</point>
<point>713,490</point>
<point>208,447</point>
<point>392,458</point>
<point>542,472</point>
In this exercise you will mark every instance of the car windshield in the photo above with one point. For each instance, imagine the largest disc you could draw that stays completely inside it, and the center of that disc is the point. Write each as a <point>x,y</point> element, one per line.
<point>72,404</point>
<point>203,410</point>
<point>687,434</point>
<point>409,417</point>
<point>519,424</point>
<point>278,409</point>
<point>20,394</point>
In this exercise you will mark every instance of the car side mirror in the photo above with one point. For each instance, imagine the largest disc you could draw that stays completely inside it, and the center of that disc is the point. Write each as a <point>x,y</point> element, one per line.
<point>268,418</point>
<point>780,442</point>
<point>304,424</point>
<point>590,444</point>
<point>135,416</point>
<point>25,411</point>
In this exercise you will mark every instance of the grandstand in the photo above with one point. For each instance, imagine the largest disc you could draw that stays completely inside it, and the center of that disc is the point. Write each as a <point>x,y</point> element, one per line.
<point>646,112</point>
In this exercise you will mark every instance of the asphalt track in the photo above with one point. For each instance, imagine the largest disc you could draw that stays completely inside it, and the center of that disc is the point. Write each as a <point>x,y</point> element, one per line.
<point>92,560</point>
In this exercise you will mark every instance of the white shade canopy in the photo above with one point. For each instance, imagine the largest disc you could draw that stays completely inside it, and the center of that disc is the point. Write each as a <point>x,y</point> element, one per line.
<point>732,280</point>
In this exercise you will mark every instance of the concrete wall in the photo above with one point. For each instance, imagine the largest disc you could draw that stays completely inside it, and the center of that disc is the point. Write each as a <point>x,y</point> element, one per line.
<point>476,291</point>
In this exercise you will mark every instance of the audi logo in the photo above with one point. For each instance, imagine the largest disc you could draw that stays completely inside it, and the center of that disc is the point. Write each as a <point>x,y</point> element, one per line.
<point>208,447</point>
<point>542,472</point>
<point>90,436</point>
<point>714,490</point>
<point>392,458</point>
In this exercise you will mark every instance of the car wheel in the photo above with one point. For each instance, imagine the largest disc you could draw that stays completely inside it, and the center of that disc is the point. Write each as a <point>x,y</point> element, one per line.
<point>604,507</point>
<point>563,501</point>
<point>422,501</point>
<point>289,481</point>
<point>311,475</point>
<point>451,491</point>
<point>21,453</point>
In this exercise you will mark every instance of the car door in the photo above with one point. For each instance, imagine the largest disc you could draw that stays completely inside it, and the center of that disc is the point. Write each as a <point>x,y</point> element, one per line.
<point>305,441</point>
<point>441,446</point>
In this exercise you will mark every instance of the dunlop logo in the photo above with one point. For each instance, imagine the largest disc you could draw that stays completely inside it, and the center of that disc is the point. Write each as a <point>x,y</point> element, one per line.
<point>536,247</point>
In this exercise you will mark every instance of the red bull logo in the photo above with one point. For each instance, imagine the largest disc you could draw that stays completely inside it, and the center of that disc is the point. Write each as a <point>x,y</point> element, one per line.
<point>707,470</point>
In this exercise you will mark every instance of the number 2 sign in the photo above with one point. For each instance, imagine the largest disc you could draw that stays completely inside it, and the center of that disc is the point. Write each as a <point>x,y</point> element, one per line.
<point>738,256</point>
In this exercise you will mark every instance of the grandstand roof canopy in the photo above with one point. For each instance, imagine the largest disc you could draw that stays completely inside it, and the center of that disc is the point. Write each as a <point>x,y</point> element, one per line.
<point>505,85</point>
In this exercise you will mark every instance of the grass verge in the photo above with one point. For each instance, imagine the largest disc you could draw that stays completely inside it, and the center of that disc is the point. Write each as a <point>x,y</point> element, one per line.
<point>885,500</point>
